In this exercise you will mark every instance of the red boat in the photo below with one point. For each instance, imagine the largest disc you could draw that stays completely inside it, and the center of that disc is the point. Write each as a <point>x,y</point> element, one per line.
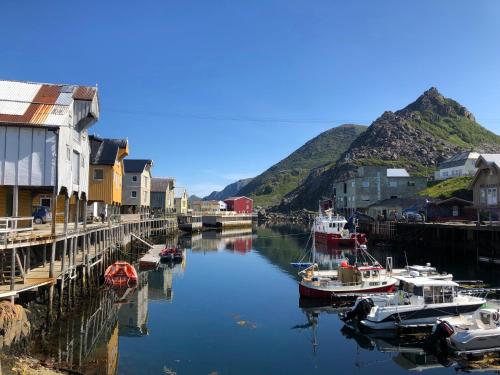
<point>121,274</point>
<point>329,229</point>
<point>170,254</point>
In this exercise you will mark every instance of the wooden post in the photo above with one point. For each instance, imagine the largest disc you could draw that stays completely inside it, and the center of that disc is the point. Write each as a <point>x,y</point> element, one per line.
<point>63,255</point>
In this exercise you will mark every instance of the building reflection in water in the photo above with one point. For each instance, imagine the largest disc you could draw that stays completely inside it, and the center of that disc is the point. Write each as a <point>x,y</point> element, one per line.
<point>86,342</point>
<point>133,314</point>
<point>238,240</point>
<point>161,280</point>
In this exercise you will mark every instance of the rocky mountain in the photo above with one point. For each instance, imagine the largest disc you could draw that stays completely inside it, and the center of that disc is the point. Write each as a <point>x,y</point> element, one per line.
<point>229,191</point>
<point>194,198</point>
<point>271,186</point>
<point>417,137</point>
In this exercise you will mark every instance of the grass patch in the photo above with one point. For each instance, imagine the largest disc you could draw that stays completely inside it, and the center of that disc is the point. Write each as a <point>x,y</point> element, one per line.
<point>452,187</point>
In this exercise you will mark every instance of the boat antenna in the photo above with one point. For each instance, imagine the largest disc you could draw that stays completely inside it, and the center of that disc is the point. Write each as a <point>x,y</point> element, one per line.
<point>406,259</point>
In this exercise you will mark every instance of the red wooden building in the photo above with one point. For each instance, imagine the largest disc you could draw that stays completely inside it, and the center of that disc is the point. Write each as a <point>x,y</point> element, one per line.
<point>240,205</point>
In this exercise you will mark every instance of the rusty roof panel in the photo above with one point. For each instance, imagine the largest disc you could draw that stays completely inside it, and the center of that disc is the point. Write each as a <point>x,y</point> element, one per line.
<point>43,104</point>
<point>84,93</point>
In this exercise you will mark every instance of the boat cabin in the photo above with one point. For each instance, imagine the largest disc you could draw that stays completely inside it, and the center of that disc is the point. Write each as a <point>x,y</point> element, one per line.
<point>353,275</point>
<point>330,223</point>
<point>422,290</point>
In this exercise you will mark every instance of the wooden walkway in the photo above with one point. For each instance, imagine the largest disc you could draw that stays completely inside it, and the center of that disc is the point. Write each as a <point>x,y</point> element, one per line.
<point>33,257</point>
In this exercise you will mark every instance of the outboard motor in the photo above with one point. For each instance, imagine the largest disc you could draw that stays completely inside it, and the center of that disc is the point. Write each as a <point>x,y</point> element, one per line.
<point>360,311</point>
<point>437,340</point>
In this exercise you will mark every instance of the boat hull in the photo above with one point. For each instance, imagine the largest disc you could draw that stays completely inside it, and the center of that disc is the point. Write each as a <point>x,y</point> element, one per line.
<point>306,291</point>
<point>332,240</point>
<point>421,316</point>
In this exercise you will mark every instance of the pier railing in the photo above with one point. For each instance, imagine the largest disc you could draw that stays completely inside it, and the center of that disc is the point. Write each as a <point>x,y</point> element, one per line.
<point>11,226</point>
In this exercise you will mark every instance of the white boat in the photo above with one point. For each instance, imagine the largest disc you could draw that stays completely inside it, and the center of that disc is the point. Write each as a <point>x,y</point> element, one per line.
<point>424,271</point>
<point>419,302</point>
<point>476,333</point>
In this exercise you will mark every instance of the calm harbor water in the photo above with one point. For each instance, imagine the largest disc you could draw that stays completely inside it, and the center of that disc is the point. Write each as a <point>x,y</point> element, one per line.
<point>232,307</point>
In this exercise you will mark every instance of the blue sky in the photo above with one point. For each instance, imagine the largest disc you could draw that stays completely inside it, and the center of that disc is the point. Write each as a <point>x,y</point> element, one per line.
<point>214,91</point>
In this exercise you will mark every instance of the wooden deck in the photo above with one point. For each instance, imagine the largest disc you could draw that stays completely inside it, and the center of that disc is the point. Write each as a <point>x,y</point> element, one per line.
<point>100,239</point>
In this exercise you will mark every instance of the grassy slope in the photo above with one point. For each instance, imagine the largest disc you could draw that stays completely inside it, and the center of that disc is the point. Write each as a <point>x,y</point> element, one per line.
<point>271,186</point>
<point>452,187</point>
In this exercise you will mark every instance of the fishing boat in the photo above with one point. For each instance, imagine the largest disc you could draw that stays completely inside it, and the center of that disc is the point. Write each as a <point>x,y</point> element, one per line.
<point>419,302</point>
<point>121,274</point>
<point>470,334</point>
<point>330,230</point>
<point>171,254</point>
<point>364,276</point>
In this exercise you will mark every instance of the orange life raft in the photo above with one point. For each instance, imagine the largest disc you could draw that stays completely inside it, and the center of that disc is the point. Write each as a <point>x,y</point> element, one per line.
<point>120,274</point>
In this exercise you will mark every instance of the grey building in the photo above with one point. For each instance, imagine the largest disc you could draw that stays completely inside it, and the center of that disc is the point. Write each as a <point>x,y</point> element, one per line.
<point>486,185</point>
<point>372,184</point>
<point>136,185</point>
<point>162,194</point>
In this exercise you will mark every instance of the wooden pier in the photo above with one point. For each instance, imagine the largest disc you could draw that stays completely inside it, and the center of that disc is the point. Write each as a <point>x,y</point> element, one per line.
<point>72,257</point>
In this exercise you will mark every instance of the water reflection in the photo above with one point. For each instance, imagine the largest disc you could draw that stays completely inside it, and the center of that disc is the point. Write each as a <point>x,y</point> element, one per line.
<point>238,240</point>
<point>211,326</point>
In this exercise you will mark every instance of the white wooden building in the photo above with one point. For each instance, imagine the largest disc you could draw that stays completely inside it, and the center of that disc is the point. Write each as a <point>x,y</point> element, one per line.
<point>44,146</point>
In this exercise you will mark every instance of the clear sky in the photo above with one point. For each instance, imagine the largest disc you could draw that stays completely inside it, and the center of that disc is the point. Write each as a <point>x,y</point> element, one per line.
<point>214,91</point>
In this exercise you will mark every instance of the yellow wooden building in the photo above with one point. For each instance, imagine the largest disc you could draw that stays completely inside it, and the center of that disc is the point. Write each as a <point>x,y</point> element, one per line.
<point>106,173</point>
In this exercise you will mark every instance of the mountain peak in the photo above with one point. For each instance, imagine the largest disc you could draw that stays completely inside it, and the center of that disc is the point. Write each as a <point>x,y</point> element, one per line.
<point>433,101</point>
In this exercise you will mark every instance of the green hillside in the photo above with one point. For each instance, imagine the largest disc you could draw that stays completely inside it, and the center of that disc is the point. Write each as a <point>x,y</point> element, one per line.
<point>271,186</point>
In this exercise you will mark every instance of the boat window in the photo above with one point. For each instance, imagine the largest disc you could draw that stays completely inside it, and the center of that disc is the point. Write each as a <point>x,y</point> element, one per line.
<point>438,294</point>
<point>428,294</point>
<point>418,291</point>
<point>485,318</point>
<point>448,294</point>
<point>366,274</point>
<point>375,273</point>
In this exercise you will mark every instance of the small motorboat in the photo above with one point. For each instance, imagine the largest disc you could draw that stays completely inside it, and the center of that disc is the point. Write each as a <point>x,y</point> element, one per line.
<point>121,274</point>
<point>419,302</point>
<point>171,254</point>
<point>425,271</point>
<point>470,334</point>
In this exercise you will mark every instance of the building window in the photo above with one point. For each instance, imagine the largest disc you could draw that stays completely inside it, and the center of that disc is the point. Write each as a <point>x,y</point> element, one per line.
<point>365,198</point>
<point>393,183</point>
<point>98,174</point>
<point>411,183</point>
<point>482,196</point>
<point>45,201</point>
<point>366,184</point>
<point>76,168</point>
<point>353,183</point>
<point>444,174</point>
<point>133,194</point>
<point>134,178</point>
<point>345,188</point>
<point>492,196</point>
<point>394,197</point>
<point>68,153</point>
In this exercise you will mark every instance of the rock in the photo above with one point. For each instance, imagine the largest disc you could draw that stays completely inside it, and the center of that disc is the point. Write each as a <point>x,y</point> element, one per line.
<point>13,323</point>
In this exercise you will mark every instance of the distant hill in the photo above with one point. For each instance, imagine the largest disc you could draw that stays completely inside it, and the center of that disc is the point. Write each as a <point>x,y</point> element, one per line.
<point>229,191</point>
<point>417,137</point>
<point>272,185</point>
<point>193,198</point>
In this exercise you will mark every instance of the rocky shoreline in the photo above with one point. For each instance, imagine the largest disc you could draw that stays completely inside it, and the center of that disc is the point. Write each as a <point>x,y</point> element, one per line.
<point>296,217</point>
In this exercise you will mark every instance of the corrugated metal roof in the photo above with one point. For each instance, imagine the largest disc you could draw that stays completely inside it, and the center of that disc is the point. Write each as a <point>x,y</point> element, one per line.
<point>458,159</point>
<point>397,172</point>
<point>492,158</point>
<point>40,104</point>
